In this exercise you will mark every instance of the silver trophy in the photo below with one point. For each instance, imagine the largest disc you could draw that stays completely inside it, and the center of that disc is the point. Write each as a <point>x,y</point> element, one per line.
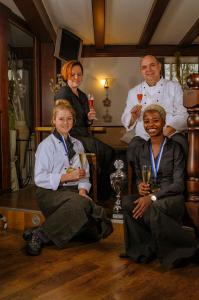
<point>117,182</point>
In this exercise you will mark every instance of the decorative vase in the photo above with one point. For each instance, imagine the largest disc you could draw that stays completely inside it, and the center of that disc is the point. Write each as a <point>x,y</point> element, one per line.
<point>193,81</point>
<point>13,158</point>
<point>22,138</point>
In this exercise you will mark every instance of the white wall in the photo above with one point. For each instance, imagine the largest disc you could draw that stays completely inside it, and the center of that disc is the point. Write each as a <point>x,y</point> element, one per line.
<point>124,72</point>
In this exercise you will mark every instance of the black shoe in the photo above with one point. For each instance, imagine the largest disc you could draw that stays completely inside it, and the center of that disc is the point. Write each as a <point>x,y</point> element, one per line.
<point>27,234</point>
<point>34,246</point>
<point>123,255</point>
<point>144,259</point>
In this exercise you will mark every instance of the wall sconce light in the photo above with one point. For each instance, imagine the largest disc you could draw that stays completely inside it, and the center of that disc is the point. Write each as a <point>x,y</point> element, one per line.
<point>106,101</point>
<point>106,83</point>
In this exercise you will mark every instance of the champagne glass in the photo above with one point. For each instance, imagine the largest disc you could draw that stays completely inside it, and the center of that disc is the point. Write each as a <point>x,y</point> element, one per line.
<point>70,169</point>
<point>146,174</point>
<point>155,186</point>
<point>83,159</point>
<point>139,98</point>
<point>140,95</point>
<point>91,103</point>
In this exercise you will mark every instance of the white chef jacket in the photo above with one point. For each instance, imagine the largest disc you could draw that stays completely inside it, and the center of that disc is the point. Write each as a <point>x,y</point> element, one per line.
<point>52,162</point>
<point>166,93</point>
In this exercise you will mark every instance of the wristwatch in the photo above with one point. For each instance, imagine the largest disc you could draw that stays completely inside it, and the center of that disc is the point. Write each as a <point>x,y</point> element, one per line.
<point>153,198</point>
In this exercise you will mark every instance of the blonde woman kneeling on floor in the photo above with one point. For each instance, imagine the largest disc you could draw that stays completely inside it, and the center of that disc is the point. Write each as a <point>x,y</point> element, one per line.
<point>62,189</point>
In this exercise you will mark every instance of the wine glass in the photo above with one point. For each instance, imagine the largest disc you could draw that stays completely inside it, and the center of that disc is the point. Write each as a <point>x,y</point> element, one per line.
<point>146,174</point>
<point>91,104</point>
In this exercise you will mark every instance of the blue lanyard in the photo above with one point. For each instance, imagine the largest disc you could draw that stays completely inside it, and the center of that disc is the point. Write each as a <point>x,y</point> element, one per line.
<point>64,144</point>
<point>156,163</point>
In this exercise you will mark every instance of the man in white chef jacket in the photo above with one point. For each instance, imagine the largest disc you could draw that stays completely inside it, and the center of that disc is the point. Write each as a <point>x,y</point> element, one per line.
<point>155,90</point>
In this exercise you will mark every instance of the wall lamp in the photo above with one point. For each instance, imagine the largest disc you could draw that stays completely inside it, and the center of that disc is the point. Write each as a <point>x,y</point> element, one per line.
<point>106,102</point>
<point>106,84</point>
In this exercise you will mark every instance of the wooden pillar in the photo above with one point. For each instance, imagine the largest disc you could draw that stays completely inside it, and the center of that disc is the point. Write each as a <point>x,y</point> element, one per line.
<point>191,102</point>
<point>37,88</point>
<point>48,71</point>
<point>4,127</point>
<point>44,70</point>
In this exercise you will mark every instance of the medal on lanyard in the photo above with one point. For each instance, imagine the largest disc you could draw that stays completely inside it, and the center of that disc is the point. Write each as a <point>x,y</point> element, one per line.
<point>155,164</point>
<point>70,168</point>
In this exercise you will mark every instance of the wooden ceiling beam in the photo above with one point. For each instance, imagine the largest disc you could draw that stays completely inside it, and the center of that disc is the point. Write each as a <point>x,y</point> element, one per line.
<point>191,35</point>
<point>132,50</point>
<point>153,19</point>
<point>98,8</point>
<point>37,18</point>
<point>19,23</point>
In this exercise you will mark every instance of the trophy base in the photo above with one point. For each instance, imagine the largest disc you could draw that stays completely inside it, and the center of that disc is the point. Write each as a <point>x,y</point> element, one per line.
<point>117,216</point>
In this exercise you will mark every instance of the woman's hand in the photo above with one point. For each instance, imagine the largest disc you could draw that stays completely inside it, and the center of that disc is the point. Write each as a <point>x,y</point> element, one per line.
<point>143,189</point>
<point>74,175</point>
<point>142,204</point>
<point>92,114</point>
<point>82,192</point>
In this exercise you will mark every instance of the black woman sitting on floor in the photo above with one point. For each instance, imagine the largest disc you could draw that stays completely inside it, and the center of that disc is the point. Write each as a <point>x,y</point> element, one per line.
<point>153,219</point>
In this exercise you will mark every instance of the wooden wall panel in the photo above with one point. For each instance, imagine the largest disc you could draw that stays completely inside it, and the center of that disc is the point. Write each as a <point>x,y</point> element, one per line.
<point>48,71</point>
<point>44,70</point>
<point>5,147</point>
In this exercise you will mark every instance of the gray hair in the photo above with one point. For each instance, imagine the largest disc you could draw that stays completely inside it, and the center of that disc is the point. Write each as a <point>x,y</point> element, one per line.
<point>158,108</point>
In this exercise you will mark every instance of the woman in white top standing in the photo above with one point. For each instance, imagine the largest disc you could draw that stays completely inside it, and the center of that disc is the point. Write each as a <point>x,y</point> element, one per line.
<point>62,189</point>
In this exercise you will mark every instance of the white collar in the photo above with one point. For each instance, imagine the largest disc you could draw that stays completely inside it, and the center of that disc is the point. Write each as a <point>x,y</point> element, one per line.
<point>157,85</point>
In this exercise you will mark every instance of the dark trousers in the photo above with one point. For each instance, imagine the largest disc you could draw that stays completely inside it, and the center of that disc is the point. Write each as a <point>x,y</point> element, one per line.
<point>105,157</point>
<point>158,233</point>
<point>67,213</point>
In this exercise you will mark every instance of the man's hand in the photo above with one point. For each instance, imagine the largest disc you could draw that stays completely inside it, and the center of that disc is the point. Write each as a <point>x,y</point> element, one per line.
<point>142,204</point>
<point>91,114</point>
<point>143,188</point>
<point>135,113</point>
<point>168,130</point>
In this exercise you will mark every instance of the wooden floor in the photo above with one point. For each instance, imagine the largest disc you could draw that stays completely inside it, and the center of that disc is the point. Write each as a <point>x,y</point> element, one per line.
<point>22,199</point>
<point>21,210</point>
<point>84,272</point>
<point>80,272</point>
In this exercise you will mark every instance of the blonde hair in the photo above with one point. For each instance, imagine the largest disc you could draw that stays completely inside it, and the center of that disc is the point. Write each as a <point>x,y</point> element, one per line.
<point>158,108</point>
<point>62,104</point>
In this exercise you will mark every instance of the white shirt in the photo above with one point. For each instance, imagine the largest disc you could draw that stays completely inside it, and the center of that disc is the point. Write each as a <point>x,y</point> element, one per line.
<point>52,162</point>
<point>166,93</point>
